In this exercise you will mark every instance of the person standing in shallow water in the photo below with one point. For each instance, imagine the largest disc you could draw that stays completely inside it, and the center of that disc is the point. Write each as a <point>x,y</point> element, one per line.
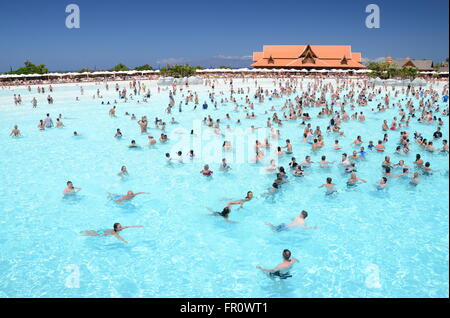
<point>71,189</point>
<point>15,132</point>
<point>281,270</point>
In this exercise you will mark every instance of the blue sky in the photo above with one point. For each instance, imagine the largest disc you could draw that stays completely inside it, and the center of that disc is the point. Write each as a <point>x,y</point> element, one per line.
<point>211,32</point>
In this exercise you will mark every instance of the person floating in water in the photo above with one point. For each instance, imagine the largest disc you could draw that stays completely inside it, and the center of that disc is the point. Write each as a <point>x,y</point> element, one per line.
<point>117,227</point>
<point>298,221</point>
<point>282,270</point>
<point>225,212</point>
<point>248,197</point>
<point>70,188</point>
<point>119,198</point>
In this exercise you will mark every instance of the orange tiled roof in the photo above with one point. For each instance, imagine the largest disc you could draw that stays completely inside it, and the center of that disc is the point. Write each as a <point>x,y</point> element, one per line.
<point>257,56</point>
<point>323,56</point>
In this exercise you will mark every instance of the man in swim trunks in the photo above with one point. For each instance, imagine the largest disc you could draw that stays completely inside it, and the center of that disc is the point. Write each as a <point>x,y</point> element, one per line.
<point>282,270</point>
<point>118,198</point>
<point>70,188</point>
<point>48,121</point>
<point>330,186</point>
<point>298,221</point>
<point>117,227</point>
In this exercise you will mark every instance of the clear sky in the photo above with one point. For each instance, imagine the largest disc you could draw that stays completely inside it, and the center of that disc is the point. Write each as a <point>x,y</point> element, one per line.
<point>210,31</point>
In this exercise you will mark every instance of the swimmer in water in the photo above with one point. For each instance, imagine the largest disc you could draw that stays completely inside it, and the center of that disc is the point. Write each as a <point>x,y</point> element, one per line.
<point>324,163</point>
<point>70,188</point>
<point>206,171</point>
<point>298,221</point>
<point>123,172</point>
<point>151,140</point>
<point>241,202</point>
<point>133,144</point>
<point>118,133</point>
<point>354,180</point>
<point>382,184</point>
<point>117,227</point>
<point>118,198</point>
<point>15,132</point>
<point>415,179</point>
<point>225,212</point>
<point>329,185</point>
<point>224,165</point>
<point>282,270</point>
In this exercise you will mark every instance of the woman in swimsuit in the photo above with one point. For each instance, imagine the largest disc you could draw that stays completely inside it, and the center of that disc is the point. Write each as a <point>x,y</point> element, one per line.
<point>247,198</point>
<point>117,227</point>
<point>119,198</point>
<point>123,172</point>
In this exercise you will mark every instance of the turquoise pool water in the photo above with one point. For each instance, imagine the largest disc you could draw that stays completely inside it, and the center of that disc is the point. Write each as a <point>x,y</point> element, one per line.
<point>369,243</point>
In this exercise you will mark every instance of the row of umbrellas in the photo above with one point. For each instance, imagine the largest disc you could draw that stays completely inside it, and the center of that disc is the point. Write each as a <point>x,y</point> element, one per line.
<point>213,70</point>
<point>78,74</point>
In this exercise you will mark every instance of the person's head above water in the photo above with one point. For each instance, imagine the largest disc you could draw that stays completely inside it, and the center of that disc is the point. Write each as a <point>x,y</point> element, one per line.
<point>286,255</point>
<point>129,192</point>
<point>304,214</point>
<point>226,210</point>
<point>117,227</point>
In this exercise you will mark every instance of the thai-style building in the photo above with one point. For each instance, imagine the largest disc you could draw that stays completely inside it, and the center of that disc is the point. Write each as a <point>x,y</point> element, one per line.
<point>307,57</point>
<point>421,65</point>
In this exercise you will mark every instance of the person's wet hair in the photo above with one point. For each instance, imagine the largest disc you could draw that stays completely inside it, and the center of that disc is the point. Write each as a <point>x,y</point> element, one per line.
<point>286,254</point>
<point>226,210</point>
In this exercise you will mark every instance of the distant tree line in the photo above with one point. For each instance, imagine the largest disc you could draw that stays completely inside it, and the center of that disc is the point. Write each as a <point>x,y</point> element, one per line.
<point>386,70</point>
<point>179,70</point>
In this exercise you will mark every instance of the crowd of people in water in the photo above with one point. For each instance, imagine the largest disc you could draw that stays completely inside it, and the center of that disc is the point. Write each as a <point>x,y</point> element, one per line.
<point>341,102</point>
